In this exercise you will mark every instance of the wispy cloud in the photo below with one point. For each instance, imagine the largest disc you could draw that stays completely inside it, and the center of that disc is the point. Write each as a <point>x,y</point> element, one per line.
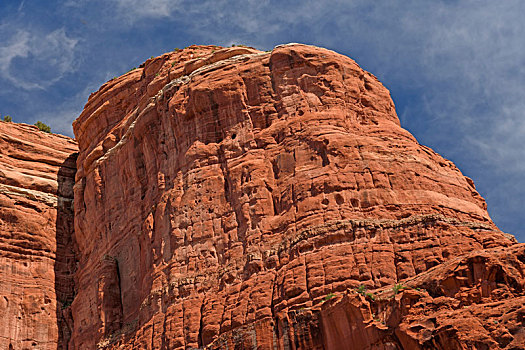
<point>137,9</point>
<point>61,116</point>
<point>21,6</point>
<point>34,61</point>
<point>18,46</point>
<point>474,63</point>
<point>215,18</point>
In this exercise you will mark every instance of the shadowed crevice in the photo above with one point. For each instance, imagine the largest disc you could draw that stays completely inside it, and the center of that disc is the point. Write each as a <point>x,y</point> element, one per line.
<point>65,261</point>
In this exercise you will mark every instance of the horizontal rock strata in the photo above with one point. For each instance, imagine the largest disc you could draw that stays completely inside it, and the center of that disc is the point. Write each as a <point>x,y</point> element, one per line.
<point>36,252</point>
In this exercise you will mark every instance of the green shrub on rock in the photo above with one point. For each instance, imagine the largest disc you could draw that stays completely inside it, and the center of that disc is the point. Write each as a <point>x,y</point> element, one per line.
<point>43,127</point>
<point>397,288</point>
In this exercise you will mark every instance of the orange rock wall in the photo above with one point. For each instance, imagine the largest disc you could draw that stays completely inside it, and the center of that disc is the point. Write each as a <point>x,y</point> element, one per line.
<point>475,301</point>
<point>36,226</point>
<point>223,194</point>
<point>232,198</point>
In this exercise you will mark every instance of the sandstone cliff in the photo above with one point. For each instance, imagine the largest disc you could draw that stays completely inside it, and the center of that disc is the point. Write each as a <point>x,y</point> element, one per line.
<point>228,198</point>
<point>232,198</point>
<point>36,228</point>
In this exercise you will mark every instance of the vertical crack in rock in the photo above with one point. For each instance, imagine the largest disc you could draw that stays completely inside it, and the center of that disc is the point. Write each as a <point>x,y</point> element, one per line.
<point>110,298</point>
<point>200,337</point>
<point>66,261</point>
<point>231,195</point>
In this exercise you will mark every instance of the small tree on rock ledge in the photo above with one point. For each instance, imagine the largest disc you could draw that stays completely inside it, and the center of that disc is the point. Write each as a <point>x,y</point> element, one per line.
<point>43,127</point>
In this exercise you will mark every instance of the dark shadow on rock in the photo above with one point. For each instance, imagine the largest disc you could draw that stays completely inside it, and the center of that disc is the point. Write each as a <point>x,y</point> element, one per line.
<point>65,263</point>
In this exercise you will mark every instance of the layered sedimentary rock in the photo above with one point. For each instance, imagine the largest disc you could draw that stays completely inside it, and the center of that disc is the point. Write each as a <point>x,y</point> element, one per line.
<point>36,224</point>
<point>475,301</point>
<point>234,198</point>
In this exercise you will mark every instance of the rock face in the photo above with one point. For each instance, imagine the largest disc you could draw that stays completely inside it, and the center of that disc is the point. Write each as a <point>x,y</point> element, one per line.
<point>36,252</point>
<point>228,198</point>
<point>232,198</point>
<point>475,301</point>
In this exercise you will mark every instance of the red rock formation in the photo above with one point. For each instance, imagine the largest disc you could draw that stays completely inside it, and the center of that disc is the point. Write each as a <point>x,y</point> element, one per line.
<point>475,301</point>
<point>222,195</point>
<point>36,220</point>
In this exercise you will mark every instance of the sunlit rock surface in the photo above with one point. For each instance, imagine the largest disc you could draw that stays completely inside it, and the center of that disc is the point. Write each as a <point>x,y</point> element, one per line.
<point>228,198</point>
<point>233,198</point>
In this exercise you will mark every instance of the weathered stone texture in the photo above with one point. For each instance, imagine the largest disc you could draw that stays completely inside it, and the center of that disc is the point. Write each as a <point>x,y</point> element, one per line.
<point>222,194</point>
<point>36,225</point>
<point>475,301</point>
<point>228,198</point>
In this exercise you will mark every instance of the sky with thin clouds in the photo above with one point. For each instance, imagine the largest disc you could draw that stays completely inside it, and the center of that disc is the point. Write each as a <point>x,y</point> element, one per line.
<point>455,69</point>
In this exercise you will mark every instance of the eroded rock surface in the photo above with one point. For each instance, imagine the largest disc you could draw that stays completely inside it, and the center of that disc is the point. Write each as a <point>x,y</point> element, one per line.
<point>36,225</point>
<point>223,196</point>
<point>475,301</point>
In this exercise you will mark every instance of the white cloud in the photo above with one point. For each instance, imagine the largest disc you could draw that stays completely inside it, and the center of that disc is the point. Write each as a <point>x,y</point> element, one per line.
<point>478,51</point>
<point>35,61</point>
<point>213,17</point>
<point>137,9</point>
<point>18,46</point>
<point>21,6</point>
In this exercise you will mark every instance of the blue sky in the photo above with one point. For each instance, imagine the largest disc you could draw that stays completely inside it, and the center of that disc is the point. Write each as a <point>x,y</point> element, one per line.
<point>456,69</point>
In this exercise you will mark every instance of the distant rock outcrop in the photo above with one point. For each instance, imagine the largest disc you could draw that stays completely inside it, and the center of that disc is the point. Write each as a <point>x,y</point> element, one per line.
<point>37,261</point>
<point>228,198</point>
